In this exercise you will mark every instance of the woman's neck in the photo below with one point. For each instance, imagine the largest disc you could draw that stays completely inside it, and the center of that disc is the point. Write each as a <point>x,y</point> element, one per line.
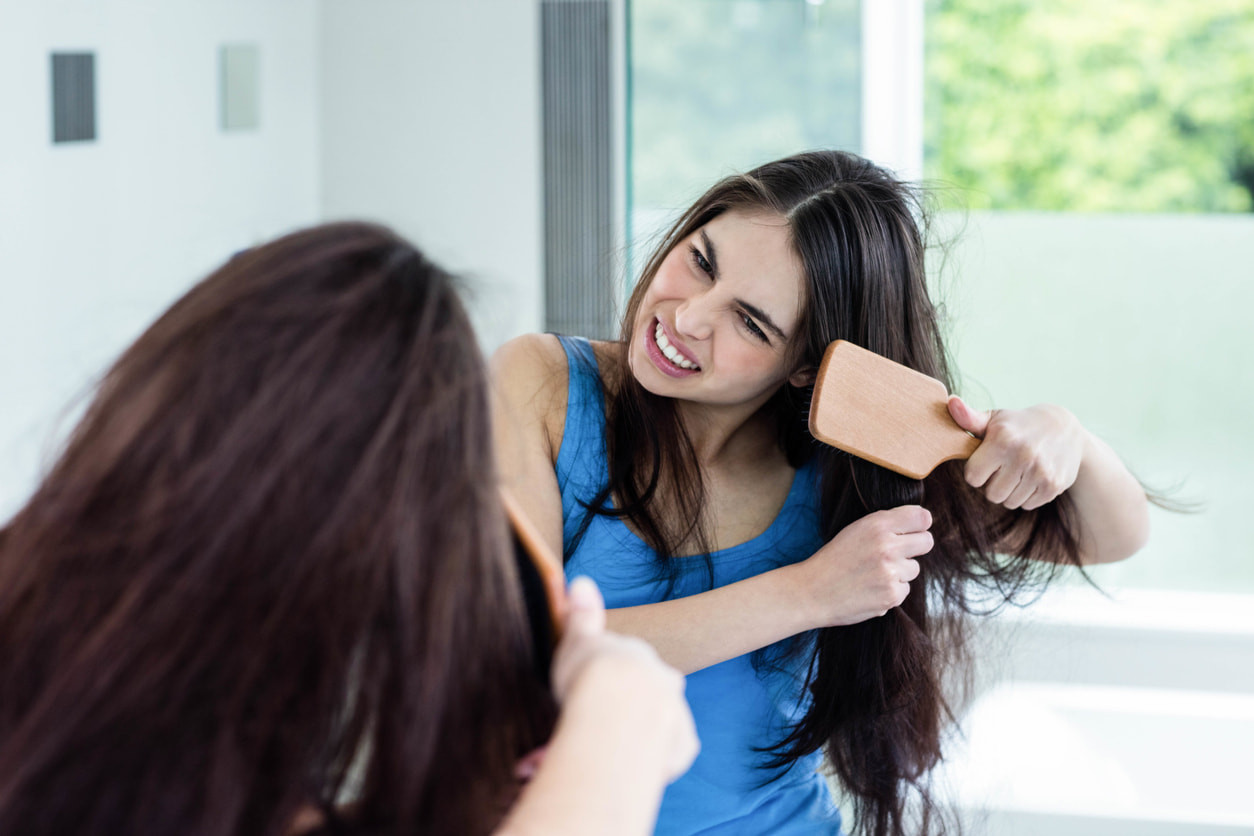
<point>727,434</point>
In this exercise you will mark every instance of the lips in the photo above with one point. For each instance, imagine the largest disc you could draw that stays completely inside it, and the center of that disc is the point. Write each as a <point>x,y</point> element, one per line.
<point>667,356</point>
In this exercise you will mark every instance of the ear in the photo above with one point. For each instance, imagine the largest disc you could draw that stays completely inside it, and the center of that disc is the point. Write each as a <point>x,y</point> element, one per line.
<point>803,377</point>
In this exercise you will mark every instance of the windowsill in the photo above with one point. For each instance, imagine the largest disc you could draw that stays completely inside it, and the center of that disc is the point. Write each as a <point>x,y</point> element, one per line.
<point>1107,760</point>
<point>1140,610</point>
<point>1132,639</point>
<point>1114,715</point>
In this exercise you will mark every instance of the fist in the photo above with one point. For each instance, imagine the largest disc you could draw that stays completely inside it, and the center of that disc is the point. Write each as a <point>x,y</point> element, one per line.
<point>619,684</point>
<point>866,569</point>
<point>1026,458</point>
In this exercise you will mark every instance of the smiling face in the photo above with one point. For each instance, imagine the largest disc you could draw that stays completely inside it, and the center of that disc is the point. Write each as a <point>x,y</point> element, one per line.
<point>716,323</point>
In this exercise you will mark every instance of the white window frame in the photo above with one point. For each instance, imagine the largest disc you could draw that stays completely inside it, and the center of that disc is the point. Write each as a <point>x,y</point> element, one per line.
<point>892,85</point>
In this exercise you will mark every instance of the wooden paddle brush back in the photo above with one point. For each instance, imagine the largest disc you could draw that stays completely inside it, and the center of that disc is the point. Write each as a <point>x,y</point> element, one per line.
<point>885,413</point>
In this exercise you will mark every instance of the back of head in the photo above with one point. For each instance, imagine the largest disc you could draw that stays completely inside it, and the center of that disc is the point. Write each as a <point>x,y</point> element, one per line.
<point>272,549</point>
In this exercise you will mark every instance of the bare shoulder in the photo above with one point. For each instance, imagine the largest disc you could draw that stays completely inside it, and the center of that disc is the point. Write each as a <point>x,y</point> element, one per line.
<point>533,366</point>
<point>530,381</point>
<point>536,365</point>
<point>529,378</point>
<point>538,356</point>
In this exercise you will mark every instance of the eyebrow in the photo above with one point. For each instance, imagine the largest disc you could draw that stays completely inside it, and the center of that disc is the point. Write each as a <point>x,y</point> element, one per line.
<point>754,311</point>
<point>710,255</point>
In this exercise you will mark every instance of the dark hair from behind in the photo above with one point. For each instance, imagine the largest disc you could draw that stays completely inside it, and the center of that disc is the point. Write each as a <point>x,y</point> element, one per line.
<point>880,687</point>
<point>271,569</point>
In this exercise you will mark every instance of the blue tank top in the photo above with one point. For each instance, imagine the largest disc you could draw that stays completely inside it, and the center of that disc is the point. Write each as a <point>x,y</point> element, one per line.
<point>739,707</point>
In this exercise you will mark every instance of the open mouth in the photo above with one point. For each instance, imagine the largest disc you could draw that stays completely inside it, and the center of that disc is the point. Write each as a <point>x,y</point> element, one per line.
<point>668,351</point>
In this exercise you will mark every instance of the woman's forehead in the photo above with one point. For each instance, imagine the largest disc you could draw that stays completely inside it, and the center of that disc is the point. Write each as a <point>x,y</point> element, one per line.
<point>759,241</point>
<point>754,252</point>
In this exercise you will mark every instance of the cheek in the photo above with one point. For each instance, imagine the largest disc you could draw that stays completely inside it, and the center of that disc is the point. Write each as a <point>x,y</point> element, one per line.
<point>759,366</point>
<point>672,278</point>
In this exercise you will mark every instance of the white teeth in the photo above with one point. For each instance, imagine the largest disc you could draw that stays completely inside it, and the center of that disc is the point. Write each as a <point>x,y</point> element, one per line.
<point>670,352</point>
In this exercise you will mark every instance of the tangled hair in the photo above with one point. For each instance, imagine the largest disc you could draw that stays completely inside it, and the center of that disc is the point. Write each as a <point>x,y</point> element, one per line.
<point>879,705</point>
<point>270,569</point>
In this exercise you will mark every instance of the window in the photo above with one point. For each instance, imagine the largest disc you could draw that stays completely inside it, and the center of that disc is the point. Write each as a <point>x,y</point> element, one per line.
<point>1095,173</point>
<point>718,86</point>
<point>1107,161</point>
<point>1145,107</point>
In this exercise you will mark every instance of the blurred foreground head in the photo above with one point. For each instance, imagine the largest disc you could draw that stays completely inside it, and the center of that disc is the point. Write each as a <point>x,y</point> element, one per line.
<point>272,550</point>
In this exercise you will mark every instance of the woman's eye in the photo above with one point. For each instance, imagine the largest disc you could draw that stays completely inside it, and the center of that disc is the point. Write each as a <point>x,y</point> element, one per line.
<point>702,263</point>
<point>753,327</point>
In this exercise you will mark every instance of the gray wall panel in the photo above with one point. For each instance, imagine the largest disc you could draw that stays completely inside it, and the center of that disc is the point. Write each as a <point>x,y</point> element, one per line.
<point>578,176</point>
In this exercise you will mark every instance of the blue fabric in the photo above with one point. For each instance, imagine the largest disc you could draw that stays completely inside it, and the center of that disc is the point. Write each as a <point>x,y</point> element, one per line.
<point>738,707</point>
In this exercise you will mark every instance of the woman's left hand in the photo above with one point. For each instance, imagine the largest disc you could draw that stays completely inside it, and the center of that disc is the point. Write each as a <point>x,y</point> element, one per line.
<point>1026,457</point>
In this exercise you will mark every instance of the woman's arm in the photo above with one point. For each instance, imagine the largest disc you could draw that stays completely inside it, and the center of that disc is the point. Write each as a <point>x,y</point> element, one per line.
<point>861,573</point>
<point>624,733</point>
<point>528,383</point>
<point>1028,457</point>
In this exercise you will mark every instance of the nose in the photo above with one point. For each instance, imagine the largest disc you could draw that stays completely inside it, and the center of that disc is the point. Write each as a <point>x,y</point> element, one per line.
<point>693,318</point>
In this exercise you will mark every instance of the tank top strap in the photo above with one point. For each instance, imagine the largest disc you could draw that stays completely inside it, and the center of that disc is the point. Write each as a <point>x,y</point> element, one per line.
<point>582,464</point>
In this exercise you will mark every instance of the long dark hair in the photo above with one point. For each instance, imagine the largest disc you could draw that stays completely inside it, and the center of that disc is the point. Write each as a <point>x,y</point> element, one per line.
<point>271,570</point>
<point>879,688</point>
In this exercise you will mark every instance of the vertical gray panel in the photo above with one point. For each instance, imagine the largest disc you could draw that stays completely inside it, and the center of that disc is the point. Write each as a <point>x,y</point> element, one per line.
<point>73,97</point>
<point>578,175</point>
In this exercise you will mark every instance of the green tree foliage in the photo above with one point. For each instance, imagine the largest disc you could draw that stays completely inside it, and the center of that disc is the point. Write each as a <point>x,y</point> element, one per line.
<point>1122,105</point>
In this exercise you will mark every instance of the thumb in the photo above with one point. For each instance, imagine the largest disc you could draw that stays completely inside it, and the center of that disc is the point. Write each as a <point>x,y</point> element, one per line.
<point>586,614</point>
<point>971,420</point>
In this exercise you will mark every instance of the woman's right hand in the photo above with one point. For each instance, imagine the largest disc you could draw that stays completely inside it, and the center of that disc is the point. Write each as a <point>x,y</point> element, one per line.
<point>622,679</point>
<point>866,569</point>
<point>623,734</point>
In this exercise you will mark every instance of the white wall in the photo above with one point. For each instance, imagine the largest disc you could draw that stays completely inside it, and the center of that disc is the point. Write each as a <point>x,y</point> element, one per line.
<point>431,124</point>
<point>97,238</point>
<point>422,114</point>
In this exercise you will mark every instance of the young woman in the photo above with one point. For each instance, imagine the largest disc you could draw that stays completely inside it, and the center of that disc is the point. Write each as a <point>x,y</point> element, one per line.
<point>813,598</point>
<point>268,588</point>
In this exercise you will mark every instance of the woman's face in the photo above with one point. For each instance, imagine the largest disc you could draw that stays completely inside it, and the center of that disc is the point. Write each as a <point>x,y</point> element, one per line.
<point>715,324</point>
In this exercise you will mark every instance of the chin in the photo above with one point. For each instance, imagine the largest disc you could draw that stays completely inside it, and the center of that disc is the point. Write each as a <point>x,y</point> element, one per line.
<point>643,372</point>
